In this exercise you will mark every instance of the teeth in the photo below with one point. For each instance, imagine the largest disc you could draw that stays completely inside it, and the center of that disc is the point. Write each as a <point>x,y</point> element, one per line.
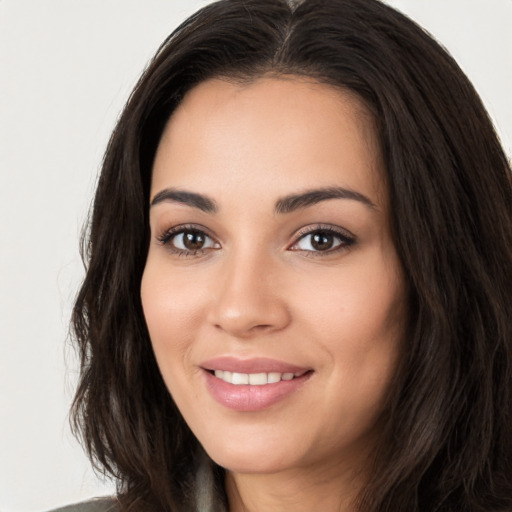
<point>273,377</point>
<point>257,379</point>
<point>240,378</point>
<point>254,379</point>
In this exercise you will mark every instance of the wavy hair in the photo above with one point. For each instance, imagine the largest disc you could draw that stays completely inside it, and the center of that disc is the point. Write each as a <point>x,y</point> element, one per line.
<point>448,437</point>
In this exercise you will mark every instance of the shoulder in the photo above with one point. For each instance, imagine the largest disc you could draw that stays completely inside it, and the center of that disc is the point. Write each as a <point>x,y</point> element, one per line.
<point>96,505</point>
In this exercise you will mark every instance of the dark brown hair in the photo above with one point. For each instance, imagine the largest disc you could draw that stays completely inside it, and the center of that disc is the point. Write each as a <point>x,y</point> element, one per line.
<point>448,437</point>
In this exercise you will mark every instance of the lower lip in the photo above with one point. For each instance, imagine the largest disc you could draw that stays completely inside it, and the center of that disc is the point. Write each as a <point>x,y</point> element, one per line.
<point>249,398</point>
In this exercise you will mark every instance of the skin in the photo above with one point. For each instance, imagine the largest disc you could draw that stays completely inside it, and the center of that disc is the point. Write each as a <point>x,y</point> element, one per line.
<point>259,288</point>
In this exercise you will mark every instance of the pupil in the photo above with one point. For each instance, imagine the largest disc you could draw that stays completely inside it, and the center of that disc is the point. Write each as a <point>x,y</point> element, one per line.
<point>322,241</point>
<point>193,240</point>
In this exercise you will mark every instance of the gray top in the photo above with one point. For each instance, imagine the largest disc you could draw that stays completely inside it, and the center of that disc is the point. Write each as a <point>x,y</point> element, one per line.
<point>96,505</point>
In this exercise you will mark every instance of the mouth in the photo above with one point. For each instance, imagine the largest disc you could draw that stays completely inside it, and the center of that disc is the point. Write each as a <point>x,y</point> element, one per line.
<point>254,384</point>
<point>256,379</point>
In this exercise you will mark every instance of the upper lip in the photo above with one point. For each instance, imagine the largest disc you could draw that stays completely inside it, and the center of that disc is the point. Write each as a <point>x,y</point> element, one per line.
<point>253,365</point>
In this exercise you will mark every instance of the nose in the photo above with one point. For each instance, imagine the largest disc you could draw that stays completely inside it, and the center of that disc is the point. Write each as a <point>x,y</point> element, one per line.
<point>249,301</point>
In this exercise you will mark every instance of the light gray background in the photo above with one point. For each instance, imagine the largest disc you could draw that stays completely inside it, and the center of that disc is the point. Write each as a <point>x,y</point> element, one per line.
<point>66,69</point>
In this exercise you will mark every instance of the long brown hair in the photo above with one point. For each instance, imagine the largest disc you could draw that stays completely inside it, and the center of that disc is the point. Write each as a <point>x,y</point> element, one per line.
<point>449,432</point>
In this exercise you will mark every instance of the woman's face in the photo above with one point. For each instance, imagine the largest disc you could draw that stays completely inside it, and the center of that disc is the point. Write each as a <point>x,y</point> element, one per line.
<point>272,290</point>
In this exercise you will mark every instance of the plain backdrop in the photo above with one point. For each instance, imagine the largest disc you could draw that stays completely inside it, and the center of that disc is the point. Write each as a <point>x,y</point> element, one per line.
<point>66,69</point>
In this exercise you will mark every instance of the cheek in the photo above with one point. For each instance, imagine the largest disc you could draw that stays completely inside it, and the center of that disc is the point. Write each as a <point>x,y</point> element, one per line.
<point>171,299</point>
<point>358,317</point>
<point>359,304</point>
<point>172,307</point>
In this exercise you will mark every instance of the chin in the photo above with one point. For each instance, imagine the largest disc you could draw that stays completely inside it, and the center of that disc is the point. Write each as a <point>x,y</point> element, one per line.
<point>249,459</point>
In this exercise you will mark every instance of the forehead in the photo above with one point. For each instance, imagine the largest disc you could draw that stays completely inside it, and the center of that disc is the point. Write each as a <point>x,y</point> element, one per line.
<point>273,134</point>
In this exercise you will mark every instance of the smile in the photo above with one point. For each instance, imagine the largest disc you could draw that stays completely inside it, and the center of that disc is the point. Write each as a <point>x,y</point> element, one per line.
<point>254,379</point>
<point>251,385</point>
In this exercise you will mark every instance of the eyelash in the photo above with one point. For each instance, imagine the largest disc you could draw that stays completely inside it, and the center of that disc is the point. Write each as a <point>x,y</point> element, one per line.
<point>167,236</point>
<point>345,240</point>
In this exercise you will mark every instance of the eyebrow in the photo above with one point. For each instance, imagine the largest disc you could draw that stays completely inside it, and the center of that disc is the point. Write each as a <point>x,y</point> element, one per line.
<point>199,201</point>
<point>283,205</point>
<point>308,198</point>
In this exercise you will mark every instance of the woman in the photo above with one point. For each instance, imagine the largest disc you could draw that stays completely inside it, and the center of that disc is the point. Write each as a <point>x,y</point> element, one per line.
<point>300,273</point>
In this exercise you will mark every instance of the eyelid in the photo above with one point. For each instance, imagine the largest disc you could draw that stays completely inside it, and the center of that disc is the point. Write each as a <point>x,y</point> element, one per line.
<point>166,235</point>
<point>346,237</point>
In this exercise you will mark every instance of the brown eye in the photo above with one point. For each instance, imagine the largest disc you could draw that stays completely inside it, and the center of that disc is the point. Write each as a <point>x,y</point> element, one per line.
<point>193,240</point>
<point>190,240</point>
<point>322,241</point>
